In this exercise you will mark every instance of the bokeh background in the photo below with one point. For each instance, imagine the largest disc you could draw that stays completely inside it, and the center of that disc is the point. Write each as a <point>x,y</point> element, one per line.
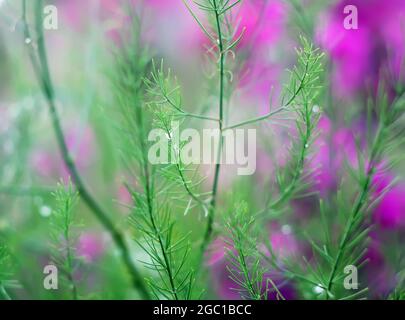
<point>81,60</point>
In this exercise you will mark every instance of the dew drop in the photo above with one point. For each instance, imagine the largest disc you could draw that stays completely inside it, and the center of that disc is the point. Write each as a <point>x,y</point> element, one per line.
<point>286,229</point>
<point>316,109</point>
<point>45,211</point>
<point>318,289</point>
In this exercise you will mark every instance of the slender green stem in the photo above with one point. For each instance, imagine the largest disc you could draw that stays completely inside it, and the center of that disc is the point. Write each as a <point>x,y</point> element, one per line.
<point>361,200</point>
<point>185,113</point>
<point>43,75</point>
<point>161,242</point>
<point>304,146</point>
<point>300,164</point>
<point>197,116</point>
<point>278,110</point>
<point>211,212</point>
<point>257,119</point>
<point>69,255</point>
<point>358,207</point>
<point>151,213</point>
<point>254,294</point>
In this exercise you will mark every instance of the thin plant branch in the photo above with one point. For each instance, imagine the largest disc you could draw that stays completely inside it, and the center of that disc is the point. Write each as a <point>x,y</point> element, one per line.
<point>41,69</point>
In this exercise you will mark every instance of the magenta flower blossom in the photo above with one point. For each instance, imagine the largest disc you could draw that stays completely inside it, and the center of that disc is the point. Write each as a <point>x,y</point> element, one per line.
<point>380,276</point>
<point>377,43</point>
<point>333,149</point>
<point>263,21</point>
<point>390,212</point>
<point>90,247</point>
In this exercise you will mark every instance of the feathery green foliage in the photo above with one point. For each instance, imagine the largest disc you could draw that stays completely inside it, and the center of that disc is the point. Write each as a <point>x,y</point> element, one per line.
<point>151,217</point>
<point>352,243</point>
<point>173,213</point>
<point>165,97</point>
<point>245,269</point>
<point>63,234</point>
<point>6,274</point>
<point>223,40</point>
<point>300,96</point>
<point>168,251</point>
<point>39,62</point>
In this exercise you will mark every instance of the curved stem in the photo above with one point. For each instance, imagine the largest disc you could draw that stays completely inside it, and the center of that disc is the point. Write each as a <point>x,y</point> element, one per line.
<point>42,72</point>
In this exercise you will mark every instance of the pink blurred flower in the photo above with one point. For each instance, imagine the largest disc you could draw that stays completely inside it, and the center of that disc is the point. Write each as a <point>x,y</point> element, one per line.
<point>76,12</point>
<point>390,211</point>
<point>124,196</point>
<point>378,42</point>
<point>90,247</point>
<point>260,77</point>
<point>380,277</point>
<point>263,21</point>
<point>217,251</point>
<point>80,143</point>
<point>169,26</point>
<point>333,148</point>
<point>283,244</point>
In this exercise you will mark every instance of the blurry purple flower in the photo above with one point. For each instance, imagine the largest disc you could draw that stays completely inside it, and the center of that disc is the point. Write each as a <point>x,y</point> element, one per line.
<point>390,211</point>
<point>360,54</point>
<point>264,165</point>
<point>43,163</point>
<point>173,27</point>
<point>124,196</point>
<point>263,21</point>
<point>333,149</point>
<point>90,247</point>
<point>217,250</point>
<point>80,143</point>
<point>260,76</point>
<point>283,244</point>
<point>380,276</point>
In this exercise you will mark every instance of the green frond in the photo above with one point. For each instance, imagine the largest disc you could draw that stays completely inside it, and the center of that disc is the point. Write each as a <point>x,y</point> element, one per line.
<point>63,235</point>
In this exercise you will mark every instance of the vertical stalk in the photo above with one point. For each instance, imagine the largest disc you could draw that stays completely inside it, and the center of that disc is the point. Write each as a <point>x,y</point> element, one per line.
<point>69,259</point>
<point>385,121</point>
<point>361,200</point>
<point>211,212</point>
<point>42,72</point>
